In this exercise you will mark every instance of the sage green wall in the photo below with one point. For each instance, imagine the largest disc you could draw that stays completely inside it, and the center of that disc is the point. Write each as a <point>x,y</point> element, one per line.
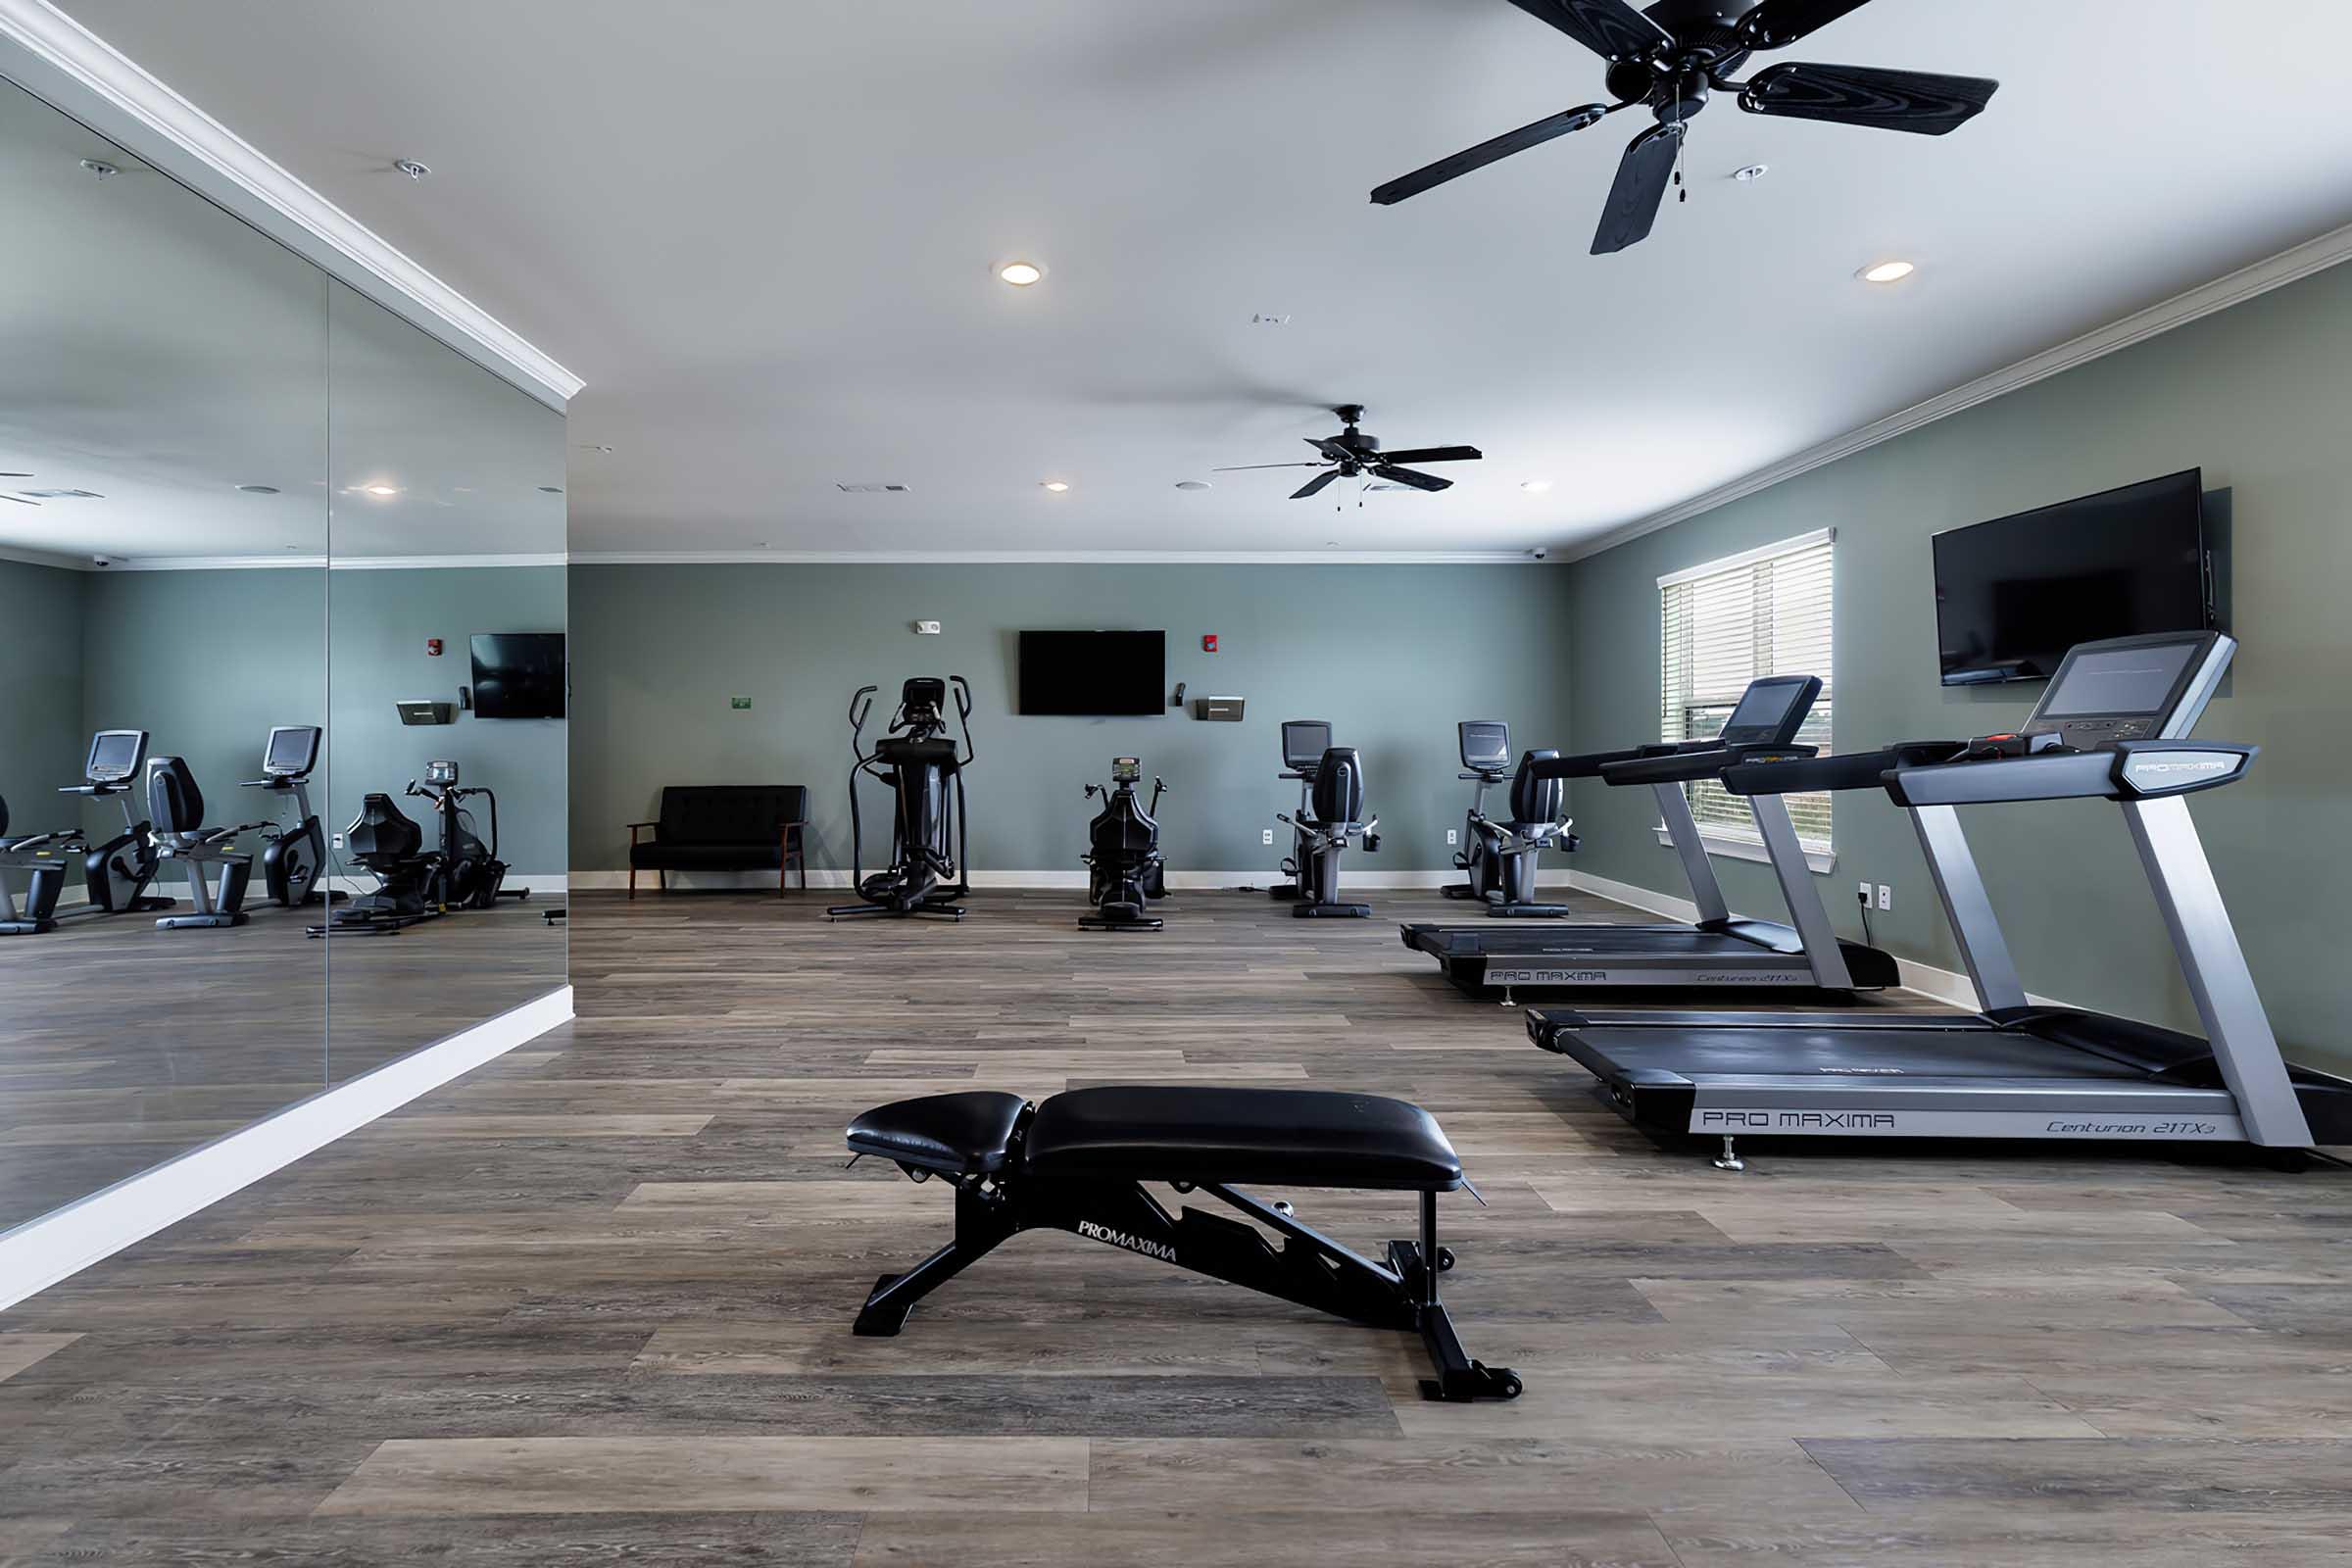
<point>2260,395</point>
<point>42,742</point>
<point>1392,656</point>
<point>207,661</point>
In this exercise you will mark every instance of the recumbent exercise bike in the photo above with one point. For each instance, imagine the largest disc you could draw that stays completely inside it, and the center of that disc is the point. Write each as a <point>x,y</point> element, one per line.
<point>1500,856</point>
<point>1331,812</point>
<point>916,761</point>
<point>1125,870</point>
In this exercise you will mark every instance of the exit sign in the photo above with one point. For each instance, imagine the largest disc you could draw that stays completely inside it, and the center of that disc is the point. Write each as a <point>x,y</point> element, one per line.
<point>739,702</point>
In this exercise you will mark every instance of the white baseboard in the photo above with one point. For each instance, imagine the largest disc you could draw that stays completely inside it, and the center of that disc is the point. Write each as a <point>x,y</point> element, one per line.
<point>1053,880</point>
<point>39,1252</point>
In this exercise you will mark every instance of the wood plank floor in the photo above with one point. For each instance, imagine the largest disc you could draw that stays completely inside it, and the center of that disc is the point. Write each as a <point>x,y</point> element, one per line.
<point>592,1303</point>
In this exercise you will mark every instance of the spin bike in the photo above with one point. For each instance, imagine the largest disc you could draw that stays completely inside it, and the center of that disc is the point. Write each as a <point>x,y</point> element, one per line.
<point>1125,870</point>
<point>917,761</point>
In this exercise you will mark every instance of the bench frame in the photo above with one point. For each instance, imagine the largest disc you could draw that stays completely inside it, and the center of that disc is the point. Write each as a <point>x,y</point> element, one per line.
<point>1308,1267</point>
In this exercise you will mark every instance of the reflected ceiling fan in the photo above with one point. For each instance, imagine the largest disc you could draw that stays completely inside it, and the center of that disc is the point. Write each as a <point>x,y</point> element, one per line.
<point>22,501</point>
<point>1671,57</point>
<point>1353,455</point>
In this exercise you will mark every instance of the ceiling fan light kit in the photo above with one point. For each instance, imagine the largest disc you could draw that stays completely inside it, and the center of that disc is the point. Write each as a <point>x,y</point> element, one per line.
<point>1671,58</point>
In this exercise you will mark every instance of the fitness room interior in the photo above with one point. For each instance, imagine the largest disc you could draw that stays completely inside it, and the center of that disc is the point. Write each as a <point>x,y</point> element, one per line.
<point>1621,837</point>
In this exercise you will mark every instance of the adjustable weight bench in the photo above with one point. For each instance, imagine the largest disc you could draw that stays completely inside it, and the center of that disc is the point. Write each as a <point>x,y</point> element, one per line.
<point>1078,1160</point>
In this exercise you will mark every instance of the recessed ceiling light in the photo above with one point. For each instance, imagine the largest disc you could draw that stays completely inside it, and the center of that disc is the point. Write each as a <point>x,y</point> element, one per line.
<point>1749,174</point>
<point>1191,484</point>
<point>1058,486</point>
<point>259,489</point>
<point>99,169</point>
<point>411,168</point>
<point>382,489</point>
<point>1887,272</point>
<point>1535,487</point>
<point>1020,274</point>
<point>551,489</point>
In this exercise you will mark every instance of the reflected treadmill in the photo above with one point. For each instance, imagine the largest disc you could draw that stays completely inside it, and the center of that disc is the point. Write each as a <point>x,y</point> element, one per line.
<point>1718,949</point>
<point>2113,724</point>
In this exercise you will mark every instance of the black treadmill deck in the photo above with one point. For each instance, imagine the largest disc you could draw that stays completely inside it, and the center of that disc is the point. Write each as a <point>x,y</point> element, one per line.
<point>1674,956</point>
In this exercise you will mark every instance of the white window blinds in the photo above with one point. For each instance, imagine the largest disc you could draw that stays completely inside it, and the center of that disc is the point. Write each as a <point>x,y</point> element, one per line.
<point>1728,622</point>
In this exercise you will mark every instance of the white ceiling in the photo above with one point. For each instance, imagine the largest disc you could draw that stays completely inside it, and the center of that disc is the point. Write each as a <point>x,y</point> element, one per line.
<point>763,233</point>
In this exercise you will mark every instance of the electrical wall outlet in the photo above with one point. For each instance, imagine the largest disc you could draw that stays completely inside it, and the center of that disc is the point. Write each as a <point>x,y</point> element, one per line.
<point>338,839</point>
<point>1885,896</point>
<point>1865,894</point>
<point>1452,835</point>
<point>1266,837</point>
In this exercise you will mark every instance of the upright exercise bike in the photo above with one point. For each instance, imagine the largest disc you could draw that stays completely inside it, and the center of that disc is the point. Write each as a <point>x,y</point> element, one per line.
<point>116,870</point>
<point>1125,870</point>
<point>293,855</point>
<point>917,762</point>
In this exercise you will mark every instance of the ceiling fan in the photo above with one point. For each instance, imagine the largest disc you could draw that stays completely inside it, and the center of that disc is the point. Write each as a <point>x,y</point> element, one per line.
<point>1671,57</point>
<point>1352,455</point>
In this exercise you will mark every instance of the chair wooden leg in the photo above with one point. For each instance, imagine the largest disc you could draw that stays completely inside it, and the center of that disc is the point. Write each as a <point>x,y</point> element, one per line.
<point>632,882</point>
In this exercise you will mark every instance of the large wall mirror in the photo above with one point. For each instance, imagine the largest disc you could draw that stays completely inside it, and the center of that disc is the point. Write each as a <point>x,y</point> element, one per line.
<point>238,504</point>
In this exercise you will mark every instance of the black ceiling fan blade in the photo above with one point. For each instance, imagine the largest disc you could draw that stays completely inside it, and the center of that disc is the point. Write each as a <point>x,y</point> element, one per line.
<point>1777,23</point>
<point>1245,467</point>
<point>1330,447</point>
<point>1918,101</point>
<point>1487,152</point>
<point>1433,455</point>
<point>1643,175</point>
<point>1406,476</point>
<point>1315,484</point>
<point>1610,28</point>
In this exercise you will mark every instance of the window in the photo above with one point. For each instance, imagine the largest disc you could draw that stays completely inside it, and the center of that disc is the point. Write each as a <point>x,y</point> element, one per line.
<point>1726,623</point>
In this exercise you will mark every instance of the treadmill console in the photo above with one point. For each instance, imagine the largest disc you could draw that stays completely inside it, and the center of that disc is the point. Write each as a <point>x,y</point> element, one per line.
<point>1771,711</point>
<point>2120,689</point>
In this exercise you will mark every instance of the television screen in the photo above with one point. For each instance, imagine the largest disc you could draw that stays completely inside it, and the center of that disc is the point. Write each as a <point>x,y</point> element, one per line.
<point>519,674</point>
<point>2013,595</point>
<point>1093,674</point>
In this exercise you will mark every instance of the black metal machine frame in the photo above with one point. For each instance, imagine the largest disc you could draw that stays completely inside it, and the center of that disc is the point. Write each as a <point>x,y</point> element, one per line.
<point>1122,879</point>
<point>1399,1291</point>
<point>938,844</point>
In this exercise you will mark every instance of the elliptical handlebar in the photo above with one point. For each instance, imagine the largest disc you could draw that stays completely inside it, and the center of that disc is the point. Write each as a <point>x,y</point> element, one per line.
<point>963,715</point>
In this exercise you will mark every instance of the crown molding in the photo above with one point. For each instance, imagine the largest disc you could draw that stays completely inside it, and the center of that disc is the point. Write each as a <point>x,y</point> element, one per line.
<point>1040,557</point>
<point>44,558</point>
<point>2234,288</point>
<point>313,562</point>
<point>60,60</point>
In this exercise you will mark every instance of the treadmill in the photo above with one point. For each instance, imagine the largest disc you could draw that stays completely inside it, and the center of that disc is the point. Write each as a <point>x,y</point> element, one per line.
<point>2113,724</point>
<point>1719,948</point>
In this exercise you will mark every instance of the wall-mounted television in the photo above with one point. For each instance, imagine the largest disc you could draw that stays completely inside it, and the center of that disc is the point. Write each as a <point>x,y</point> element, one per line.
<point>1095,674</point>
<point>2014,594</point>
<point>519,674</point>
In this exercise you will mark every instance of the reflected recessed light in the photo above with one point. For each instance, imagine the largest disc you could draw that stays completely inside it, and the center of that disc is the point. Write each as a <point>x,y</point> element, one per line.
<point>551,489</point>
<point>382,489</point>
<point>1749,174</point>
<point>259,489</point>
<point>1191,484</point>
<point>1535,487</point>
<point>1887,272</point>
<point>1020,274</point>
<point>100,168</point>
<point>411,168</point>
<point>1058,486</point>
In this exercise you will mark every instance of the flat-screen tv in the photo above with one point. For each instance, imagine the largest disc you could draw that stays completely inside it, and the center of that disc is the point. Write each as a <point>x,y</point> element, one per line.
<point>519,674</point>
<point>2014,594</point>
<point>1093,674</point>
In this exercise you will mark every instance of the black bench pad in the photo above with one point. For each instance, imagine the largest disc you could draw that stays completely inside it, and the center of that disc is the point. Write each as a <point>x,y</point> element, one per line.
<point>1285,1137</point>
<point>959,1134</point>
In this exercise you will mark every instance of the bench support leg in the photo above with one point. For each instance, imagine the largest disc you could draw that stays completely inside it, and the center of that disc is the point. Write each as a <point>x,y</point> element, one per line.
<point>1307,1267</point>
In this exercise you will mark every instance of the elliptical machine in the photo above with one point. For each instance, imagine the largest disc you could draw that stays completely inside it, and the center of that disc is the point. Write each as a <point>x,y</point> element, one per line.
<point>1125,870</point>
<point>1334,801</point>
<point>293,855</point>
<point>916,761</point>
<point>1500,856</point>
<point>116,871</point>
<point>467,873</point>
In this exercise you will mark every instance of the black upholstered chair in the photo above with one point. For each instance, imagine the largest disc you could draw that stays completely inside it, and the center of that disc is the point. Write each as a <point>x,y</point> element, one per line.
<point>724,827</point>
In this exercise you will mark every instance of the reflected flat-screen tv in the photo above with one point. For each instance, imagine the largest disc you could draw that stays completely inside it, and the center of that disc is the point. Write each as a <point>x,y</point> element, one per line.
<point>1093,674</point>
<point>2014,594</point>
<point>519,674</point>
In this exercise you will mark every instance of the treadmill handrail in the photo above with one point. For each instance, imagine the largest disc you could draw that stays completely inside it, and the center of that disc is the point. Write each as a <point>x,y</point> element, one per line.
<point>1844,770</point>
<point>1683,767</point>
<point>1588,765</point>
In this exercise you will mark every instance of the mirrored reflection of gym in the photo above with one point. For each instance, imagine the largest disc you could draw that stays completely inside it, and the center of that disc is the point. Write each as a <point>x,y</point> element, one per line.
<point>283,693</point>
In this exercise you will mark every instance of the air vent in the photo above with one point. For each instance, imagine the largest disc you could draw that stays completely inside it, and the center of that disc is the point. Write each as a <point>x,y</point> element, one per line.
<point>872,489</point>
<point>60,495</point>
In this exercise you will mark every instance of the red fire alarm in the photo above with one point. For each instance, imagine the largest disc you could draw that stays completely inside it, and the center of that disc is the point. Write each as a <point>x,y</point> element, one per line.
<point>432,646</point>
<point>1208,644</point>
